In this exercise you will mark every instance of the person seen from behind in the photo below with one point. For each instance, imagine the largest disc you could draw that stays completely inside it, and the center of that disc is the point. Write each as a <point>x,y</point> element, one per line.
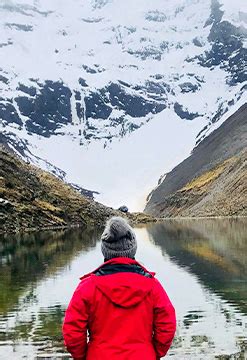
<point>119,311</point>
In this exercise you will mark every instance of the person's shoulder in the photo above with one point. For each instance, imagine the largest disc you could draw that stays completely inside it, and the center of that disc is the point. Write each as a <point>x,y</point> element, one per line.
<point>87,280</point>
<point>157,287</point>
<point>87,285</point>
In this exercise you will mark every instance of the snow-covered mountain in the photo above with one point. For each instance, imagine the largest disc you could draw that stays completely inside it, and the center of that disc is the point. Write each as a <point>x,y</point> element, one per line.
<point>108,93</point>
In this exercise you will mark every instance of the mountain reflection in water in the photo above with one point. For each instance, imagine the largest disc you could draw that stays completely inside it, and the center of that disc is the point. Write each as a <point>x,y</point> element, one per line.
<point>202,264</point>
<point>214,250</point>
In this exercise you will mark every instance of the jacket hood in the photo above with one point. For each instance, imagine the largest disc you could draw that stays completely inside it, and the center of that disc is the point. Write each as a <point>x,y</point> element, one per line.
<point>124,289</point>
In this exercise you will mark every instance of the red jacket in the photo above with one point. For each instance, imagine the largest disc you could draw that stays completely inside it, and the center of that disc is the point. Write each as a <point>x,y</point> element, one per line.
<point>119,312</point>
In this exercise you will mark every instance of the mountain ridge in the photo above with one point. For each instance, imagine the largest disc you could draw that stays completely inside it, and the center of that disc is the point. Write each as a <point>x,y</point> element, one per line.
<point>212,181</point>
<point>32,199</point>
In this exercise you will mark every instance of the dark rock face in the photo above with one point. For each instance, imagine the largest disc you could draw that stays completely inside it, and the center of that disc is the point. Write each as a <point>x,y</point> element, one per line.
<point>184,114</point>
<point>99,105</point>
<point>13,142</point>
<point>227,46</point>
<point>4,79</point>
<point>133,105</point>
<point>197,42</point>
<point>79,110</point>
<point>30,90</point>
<point>49,110</point>
<point>216,13</point>
<point>157,90</point>
<point>78,105</point>
<point>89,70</point>
<point>46,107</point>
<point>96,107</point>
<point>82,82</point>
<point>187,87</point>
<point>8,113</point>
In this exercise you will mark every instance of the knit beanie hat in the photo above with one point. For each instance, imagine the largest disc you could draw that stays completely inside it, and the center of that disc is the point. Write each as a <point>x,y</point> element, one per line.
<point>118,239</point>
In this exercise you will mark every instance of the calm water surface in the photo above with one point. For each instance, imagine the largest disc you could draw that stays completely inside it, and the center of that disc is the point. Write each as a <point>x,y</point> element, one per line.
<point>201,263</point>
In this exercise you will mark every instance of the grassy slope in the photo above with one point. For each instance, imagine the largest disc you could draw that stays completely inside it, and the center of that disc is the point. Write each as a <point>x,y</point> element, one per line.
<point>37,199</point>
<point>213,180</point>
<point>221,191</point>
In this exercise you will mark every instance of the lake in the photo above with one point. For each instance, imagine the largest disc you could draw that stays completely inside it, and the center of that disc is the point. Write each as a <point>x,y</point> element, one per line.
<point>201,263</point>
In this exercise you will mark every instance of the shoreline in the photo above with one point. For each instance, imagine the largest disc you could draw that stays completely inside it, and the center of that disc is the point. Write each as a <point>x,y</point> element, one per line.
<point>84,226</point>
<point>205,217</point>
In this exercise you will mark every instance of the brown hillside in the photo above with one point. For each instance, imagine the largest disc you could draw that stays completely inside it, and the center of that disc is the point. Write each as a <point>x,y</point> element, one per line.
<point>32,198</point>
<point>213,180</point>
